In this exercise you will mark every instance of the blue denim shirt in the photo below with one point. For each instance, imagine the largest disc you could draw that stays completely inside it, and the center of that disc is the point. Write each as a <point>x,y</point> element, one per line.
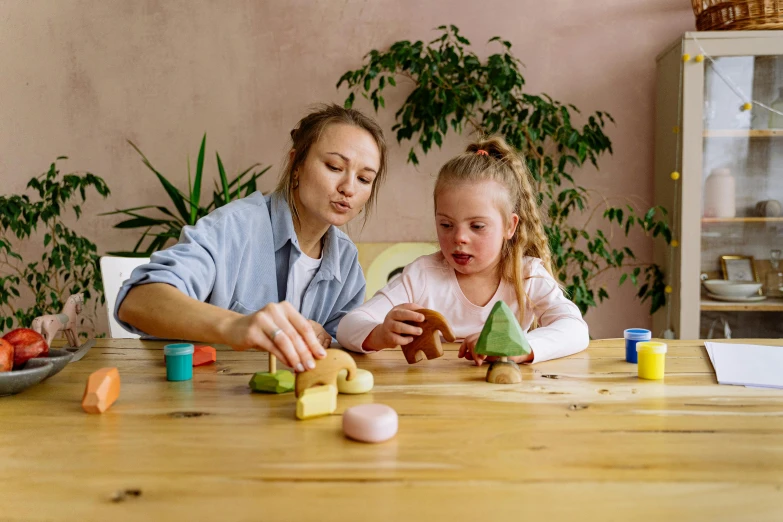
<point>238,257</point>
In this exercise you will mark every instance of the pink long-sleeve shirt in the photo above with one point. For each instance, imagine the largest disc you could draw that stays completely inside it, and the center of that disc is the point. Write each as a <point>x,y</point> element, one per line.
<point>431,283</point>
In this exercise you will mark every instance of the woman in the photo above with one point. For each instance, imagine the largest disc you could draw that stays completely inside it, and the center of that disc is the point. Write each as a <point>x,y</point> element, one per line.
<point>270,272</point>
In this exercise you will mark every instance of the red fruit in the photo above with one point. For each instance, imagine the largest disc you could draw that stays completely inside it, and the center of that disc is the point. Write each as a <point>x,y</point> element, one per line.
<point>6,356</point>
<point>27,344</point>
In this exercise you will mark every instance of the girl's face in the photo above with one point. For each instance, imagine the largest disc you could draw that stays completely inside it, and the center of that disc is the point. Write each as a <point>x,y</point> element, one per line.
<point>471,228</point>
<point>336,178</point>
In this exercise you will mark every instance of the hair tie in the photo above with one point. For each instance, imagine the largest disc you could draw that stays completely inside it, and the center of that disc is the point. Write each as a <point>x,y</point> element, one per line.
<point>482,152</point>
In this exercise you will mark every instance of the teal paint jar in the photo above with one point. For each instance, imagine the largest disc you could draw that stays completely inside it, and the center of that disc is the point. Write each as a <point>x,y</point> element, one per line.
<point>179,361</point>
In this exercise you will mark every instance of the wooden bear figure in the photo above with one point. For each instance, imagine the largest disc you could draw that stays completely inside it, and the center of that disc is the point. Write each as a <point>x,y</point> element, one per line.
<point>428,343</point>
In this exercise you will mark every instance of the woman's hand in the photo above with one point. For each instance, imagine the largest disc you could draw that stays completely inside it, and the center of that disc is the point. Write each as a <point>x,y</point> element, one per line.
<point>395,330</point>
<point>280,330</point>
<point>323,336</point>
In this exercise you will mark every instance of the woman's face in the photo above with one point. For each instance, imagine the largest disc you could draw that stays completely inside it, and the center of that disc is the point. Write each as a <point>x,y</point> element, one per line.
<point>336,178</point>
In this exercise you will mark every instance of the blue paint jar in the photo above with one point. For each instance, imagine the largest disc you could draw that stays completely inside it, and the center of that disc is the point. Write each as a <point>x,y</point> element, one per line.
<point>633,336</point>
<point>179,361</point>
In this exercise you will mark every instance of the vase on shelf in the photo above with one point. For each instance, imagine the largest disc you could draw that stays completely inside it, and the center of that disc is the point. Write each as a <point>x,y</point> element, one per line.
<point>773,285</point>
<point>719,194</point>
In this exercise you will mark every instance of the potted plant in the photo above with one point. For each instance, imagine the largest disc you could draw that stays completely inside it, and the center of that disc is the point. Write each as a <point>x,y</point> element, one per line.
<point>453,89</point>
<point>166,225</point>
<point>69,262</point>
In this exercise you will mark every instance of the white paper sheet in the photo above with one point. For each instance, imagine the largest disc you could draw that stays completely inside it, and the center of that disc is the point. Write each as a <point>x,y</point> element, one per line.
<point>747,364</point>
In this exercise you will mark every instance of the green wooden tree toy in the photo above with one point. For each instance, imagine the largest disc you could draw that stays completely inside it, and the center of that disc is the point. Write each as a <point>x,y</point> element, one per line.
<point>273,381</point>
<point>502,336</point>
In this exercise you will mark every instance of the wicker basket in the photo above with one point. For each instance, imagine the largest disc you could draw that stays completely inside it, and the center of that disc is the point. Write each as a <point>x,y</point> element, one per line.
<point>716,15</point>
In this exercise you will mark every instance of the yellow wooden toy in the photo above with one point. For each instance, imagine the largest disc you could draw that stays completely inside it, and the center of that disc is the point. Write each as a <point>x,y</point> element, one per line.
<point>362,382</point>
<point>316,401</point>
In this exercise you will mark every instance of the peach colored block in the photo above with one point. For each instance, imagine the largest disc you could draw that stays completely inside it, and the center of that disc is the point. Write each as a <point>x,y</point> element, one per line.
<point>204,355</point>
<point>370,422</point>
<point>103,388</point>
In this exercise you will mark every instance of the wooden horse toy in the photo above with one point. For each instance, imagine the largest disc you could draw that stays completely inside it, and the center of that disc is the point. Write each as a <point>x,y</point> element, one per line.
<point>66,321</point>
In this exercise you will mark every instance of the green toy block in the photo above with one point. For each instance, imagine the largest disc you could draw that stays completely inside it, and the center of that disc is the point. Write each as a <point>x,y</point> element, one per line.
<point>282,381</point>
<point>502,336</point>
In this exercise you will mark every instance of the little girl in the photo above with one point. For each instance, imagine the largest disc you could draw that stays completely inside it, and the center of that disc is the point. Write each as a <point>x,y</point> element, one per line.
<point>492,248</point>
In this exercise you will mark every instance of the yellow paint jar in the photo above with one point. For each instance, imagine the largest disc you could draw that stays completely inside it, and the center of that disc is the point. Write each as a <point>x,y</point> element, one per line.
<point>652,360</point>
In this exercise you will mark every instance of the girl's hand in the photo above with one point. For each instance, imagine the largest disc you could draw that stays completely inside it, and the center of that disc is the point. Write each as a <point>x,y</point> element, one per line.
<point>280,330</point>
<point>467,350</point>
<point>323,337</point>
<point>468,347</point>
<point>395,330</point>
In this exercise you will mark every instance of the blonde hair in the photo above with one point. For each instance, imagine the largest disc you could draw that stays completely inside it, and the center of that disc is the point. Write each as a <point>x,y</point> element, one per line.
<point>492,159</point>
<point>309,130</point>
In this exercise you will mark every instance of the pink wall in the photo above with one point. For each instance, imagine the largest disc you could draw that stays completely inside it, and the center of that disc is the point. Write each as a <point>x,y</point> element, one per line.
<point>79,77</point>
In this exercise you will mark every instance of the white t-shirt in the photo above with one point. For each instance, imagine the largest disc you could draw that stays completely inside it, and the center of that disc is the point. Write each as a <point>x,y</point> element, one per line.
<point>299,279</point>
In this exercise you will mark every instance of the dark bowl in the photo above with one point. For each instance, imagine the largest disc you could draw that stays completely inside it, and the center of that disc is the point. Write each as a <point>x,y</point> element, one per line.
<point>33,372</point>
<point>59,358</point>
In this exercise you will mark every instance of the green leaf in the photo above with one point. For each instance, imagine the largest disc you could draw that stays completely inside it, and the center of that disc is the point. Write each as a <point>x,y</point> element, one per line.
<point>223,179</point>
<point>176,196</point>
<point>195,195</point>
<point>140,222</point>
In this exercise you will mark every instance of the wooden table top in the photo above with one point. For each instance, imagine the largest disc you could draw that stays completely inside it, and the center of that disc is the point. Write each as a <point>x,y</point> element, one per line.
<point>580,439</point>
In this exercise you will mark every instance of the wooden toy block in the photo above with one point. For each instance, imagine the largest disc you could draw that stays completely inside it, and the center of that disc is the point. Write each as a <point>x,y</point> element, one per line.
<point>326,370</point>
<point>502,336</point>
<point>204,355</point>
<point>103,388</point>
<point>361,383</point>
<point>317,401</point>
<point>504,372</point>
<point>370,422</point>
<point>428,343</point>
<point>281,381</point>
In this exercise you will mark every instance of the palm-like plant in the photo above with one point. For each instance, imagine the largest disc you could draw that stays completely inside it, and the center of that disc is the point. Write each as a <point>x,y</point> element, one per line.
<point>161,229</point>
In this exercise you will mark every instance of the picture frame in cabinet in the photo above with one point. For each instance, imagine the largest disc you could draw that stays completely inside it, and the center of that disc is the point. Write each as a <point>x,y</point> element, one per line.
<point>739,268</point>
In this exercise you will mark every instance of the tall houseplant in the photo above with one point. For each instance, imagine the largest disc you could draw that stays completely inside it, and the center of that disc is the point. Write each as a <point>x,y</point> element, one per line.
<point>453,89</point>
<point>69,263</point>
<point>167,224</point>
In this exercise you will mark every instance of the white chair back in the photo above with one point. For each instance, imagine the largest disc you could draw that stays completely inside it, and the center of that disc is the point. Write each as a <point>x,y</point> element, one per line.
<point>114,272</point>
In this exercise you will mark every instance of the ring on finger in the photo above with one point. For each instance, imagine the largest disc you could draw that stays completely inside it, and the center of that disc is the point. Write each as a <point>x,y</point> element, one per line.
<point>274,333</point>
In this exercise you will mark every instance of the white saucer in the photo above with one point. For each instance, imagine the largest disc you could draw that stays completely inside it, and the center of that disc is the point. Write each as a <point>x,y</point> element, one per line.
<point>751,299</point>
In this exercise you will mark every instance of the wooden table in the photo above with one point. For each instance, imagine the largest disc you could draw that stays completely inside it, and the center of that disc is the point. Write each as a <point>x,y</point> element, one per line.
<point>580,439</point>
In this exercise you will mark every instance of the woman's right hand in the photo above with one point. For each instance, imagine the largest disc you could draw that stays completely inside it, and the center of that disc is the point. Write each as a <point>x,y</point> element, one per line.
<point>395,330</point>
<point>280,330</point>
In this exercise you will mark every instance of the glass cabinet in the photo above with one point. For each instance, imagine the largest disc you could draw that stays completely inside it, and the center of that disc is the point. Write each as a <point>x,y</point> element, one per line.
<point>719,173</point>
